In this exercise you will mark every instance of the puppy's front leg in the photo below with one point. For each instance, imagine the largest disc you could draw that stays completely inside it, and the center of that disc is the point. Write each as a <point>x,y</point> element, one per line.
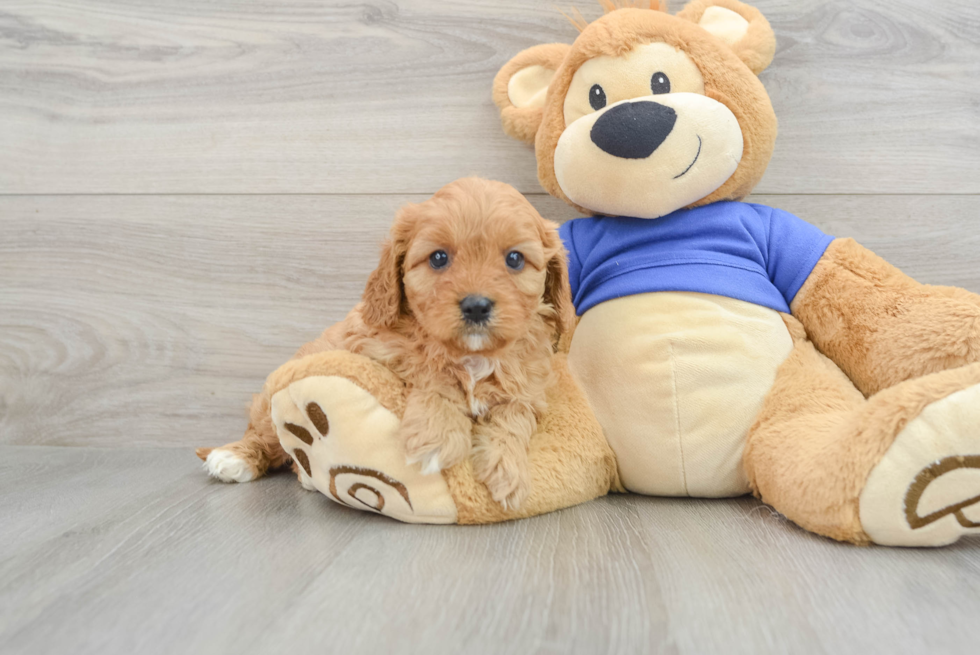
<point>501,439</point>
<point>435,431</point>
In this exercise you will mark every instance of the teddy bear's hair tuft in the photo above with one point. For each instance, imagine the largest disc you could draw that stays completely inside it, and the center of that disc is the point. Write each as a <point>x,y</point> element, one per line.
<point>576,18</point>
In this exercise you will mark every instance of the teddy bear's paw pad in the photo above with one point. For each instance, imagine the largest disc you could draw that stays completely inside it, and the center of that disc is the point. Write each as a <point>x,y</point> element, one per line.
<point>345,445</point>
<point>926,489</point>
<point>367,488</point>
<point>935,493</point>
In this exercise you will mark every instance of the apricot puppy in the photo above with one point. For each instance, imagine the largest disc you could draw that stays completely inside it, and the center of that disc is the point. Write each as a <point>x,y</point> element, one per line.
<point>466,304</point>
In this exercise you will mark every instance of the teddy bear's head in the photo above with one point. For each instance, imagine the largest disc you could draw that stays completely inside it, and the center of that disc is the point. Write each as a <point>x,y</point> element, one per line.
<point>646,113</point>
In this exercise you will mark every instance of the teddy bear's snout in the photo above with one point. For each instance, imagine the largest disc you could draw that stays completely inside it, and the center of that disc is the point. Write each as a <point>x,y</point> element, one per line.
<point>633,130</point>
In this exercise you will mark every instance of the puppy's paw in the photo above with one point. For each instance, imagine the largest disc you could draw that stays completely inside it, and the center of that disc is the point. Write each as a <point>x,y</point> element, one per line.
<point>227,466</point>
<point>436,451</point>
<point>435,432</point>
<point>503,469</point>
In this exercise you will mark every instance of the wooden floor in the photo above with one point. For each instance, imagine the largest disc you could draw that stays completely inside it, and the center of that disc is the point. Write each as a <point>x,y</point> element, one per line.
<point>189,190</point>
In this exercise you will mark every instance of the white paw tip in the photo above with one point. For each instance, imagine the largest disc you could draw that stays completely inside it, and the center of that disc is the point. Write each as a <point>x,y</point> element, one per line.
<point>431,464</point>
<point>227,467</point>
<point>509,504</point>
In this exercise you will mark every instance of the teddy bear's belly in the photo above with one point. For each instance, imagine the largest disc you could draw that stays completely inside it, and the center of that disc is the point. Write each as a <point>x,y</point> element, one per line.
<point>676,380</point>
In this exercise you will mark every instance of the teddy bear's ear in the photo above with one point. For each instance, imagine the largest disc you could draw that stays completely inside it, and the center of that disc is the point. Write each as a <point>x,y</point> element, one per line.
<point>521,86</point>
<point>742,27</point>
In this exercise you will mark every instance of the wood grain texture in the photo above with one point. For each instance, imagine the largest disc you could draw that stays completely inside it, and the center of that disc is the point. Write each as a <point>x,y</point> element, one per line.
<point>150,320</point>
<point>393,96</point>
<point>137,552</point>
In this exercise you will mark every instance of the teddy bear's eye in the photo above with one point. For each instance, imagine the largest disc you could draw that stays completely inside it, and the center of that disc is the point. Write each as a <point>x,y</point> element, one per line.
<point>659,83</point>
<point>597,97</point>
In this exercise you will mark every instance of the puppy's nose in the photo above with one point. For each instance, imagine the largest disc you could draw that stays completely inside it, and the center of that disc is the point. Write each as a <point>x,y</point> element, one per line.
<point>476,309</point>
<point>633,130</point>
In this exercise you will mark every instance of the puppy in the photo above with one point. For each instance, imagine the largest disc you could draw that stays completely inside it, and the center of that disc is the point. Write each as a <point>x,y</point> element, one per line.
<point>466,305</point>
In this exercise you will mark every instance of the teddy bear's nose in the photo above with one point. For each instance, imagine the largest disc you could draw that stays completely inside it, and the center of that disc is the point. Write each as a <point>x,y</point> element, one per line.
<point>633,130</point>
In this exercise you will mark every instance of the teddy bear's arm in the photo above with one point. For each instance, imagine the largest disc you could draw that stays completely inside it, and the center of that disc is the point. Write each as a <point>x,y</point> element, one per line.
<point>881,326</point>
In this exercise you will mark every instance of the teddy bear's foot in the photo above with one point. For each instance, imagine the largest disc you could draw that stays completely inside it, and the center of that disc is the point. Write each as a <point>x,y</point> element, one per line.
<point>926,489</point>
<point>345,444</point>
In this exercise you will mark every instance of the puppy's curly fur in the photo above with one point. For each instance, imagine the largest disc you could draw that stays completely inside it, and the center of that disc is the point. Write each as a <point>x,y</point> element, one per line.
<point>471,386</point>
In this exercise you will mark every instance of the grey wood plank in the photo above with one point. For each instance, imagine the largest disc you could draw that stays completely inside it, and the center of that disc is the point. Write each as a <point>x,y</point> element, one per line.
<point>150,320</point>
<point>134,550</point>
<point>392,96</point>
<point>755,582</point>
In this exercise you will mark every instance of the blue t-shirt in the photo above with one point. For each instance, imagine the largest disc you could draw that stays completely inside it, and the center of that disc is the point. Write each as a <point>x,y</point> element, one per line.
<point>735,249</point>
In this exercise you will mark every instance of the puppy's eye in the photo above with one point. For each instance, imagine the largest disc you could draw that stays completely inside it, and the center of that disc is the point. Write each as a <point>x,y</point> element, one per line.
<point>515,260</point>
<point>439,259</point>
<point>597,97</point>
<point>659,83</point>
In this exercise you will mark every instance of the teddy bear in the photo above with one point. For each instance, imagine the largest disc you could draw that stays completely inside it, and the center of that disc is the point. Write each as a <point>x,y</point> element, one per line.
<point>722,347</point>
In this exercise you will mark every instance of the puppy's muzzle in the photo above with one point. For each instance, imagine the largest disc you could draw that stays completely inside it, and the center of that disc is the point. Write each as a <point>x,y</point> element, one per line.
<point>476,310</point>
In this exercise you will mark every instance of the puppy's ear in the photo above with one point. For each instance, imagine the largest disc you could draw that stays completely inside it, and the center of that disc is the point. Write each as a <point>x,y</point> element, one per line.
<point>743,28</point>
<point>557,290</point>
<point>384,295</point>
<point>521,87</point>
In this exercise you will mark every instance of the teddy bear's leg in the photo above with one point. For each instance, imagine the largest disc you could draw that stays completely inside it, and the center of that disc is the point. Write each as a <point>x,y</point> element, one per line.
<point>899,468</point>
<point>337,414</point>
<point>881,326</point>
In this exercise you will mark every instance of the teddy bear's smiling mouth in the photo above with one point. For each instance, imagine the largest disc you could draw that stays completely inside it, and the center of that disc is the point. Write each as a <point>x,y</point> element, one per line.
<point>691,165</point>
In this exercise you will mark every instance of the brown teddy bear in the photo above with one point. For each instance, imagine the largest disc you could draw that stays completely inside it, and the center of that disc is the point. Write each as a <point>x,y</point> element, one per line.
<point>723,347</point>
